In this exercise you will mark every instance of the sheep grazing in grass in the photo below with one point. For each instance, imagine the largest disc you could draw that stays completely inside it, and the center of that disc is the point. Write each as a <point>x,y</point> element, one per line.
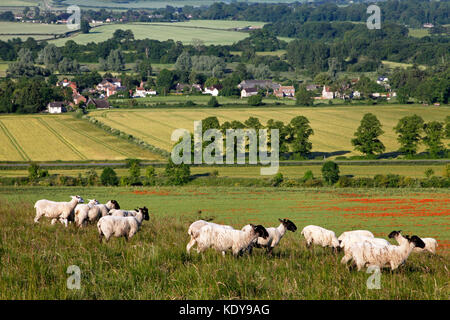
<point>87,212</point>
<point>125,213</point>
<point>64,211</point>
<point>320,236</point>
<point>117,226</point>
<point>275,235</point>
<point>105,208</point>
<point>223,239</point>
<point>369,254</point>
<point>430,243</point>
<point>194,231</point>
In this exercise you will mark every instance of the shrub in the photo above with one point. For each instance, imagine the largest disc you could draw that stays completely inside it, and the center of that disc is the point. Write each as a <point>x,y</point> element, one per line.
<point>277,179</point>
<point>255,100</point>
<point>109,177</point>
<point>344,182</point>
<point>330,172</point>
<point>177,174</point>
<point>308,175</point>
<point>213,102</point>
<point>429,172</point>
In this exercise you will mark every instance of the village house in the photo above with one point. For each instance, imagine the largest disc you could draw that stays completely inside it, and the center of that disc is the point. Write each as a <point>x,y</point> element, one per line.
<point>141,92</point>
<point>312,87</point>
<point>248,92</point>
<point>327,93</point>
<point>98,104</point>
<point>56,107</point>
<point>213,90</point>
<point>263,84</point>
<point>186,88</point>
<point>108,83</point>
<point>284,91</point>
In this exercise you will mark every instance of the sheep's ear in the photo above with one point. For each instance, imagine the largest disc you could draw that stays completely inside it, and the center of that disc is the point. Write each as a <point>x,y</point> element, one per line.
<point>280,220</point>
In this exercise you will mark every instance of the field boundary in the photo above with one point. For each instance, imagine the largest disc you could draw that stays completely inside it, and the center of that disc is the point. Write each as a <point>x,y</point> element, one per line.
<point>14,142</point>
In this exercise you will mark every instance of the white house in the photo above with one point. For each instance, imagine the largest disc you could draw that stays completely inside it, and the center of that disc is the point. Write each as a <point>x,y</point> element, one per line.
<point>327,93</point>
<point>142,92</point>
<point>214,91</point>
<point>56,107</point>
<point>248,92</point>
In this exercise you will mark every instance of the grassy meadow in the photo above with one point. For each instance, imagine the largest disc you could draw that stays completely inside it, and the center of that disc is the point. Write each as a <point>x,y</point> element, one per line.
<point>61,137</point>
<point>290,172</point>
<point>154,264</point>
<point>180,31</point>
<point>333,126</point>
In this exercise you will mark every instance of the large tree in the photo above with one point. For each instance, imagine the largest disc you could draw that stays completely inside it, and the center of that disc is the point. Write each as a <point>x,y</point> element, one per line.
<point>299,133</point>
<point>304,97</point>
<point>409,129</point>
<point>434,133</point>
<point>367,135</point>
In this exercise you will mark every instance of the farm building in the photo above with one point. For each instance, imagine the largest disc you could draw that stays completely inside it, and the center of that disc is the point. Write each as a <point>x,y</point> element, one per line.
<point>98,103</point>
<point>213,90</point>
<point>56,107</point>
<point>285,91</point>
<point>245,93</point>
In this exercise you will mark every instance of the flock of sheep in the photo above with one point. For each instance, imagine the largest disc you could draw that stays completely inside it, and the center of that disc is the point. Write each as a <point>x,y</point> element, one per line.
<point>359,245</point>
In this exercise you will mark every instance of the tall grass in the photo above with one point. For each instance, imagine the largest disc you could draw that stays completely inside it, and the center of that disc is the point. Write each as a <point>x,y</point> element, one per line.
<point>154,264</point>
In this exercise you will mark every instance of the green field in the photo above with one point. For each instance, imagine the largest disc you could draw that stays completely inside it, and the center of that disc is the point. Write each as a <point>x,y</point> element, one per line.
<point>24,30</point>
<point>154,264</point>
<point>162,32</point>
<point>333,126</point>
<point>418,33</point>
<point>61,137</point>
<point>291,172</point>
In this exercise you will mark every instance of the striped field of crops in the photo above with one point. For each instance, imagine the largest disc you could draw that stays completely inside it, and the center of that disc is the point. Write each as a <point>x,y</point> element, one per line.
<point>333,126</point>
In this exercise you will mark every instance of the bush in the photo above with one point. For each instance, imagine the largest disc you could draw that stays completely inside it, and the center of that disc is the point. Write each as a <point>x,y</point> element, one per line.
<point>177,174</point>
<point>308,175</point>
<point>344,182</point>
<point>35,172</point>
<point>255,100</point>
<point>277,179</point>
<point>109,177</point>
<point>330,172</point>
<point>213,102</point>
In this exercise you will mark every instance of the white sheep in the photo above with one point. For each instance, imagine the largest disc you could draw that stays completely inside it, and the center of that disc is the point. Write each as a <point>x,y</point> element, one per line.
<point>87,213</point>
<point>121,226</point>
<point>194,231</point>
<point>223,239</point>
<point>430,243</point>
<point>110,205</point>
<point>275,235</point>
<point>350,239</point>
<point>64,211</point>
<point>320,236</point>
<point>370,254</point>
<point>124,213</point>
<point>353,233</point>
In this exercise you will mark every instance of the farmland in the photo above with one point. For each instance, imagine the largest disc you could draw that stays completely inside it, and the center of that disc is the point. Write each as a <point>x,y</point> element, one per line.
<point>185,32</point>
<point>333,126</point>
<point>61,137</point>
<point>154,264</point>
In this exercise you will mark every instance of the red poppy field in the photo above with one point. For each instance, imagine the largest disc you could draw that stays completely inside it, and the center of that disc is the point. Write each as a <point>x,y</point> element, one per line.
<point>154,263</point>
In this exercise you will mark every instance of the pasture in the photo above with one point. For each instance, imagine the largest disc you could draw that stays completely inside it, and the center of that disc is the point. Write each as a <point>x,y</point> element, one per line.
<point>154,264</point>
<point>291,172</point>
<point>333,126</point>
<point>159,31</point>
<point>61,137</point>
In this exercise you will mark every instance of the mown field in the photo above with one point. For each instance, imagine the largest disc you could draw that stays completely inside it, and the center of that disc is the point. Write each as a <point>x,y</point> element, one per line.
<point>333,126</point>
<point>292,172</point>
<point>61,137</point>
<point>181,31</point>
<point>154,264</point>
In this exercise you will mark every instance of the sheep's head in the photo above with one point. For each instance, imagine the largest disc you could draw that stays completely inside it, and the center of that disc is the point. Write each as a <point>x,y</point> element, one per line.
<point>79,199</point>
<point>416,240</point>
<point>394,234</point>
<point>93,202</point>
<point>288,224</point>
<point>113,204</point>
<point>260,231</point>
<point>144,211</point>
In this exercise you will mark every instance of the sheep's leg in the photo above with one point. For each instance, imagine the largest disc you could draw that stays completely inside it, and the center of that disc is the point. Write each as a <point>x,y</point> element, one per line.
<point>190,244</point>
<point>270,250</point>
<point>100,237</point>
<point>346,258</point>
<point>38,216</point>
